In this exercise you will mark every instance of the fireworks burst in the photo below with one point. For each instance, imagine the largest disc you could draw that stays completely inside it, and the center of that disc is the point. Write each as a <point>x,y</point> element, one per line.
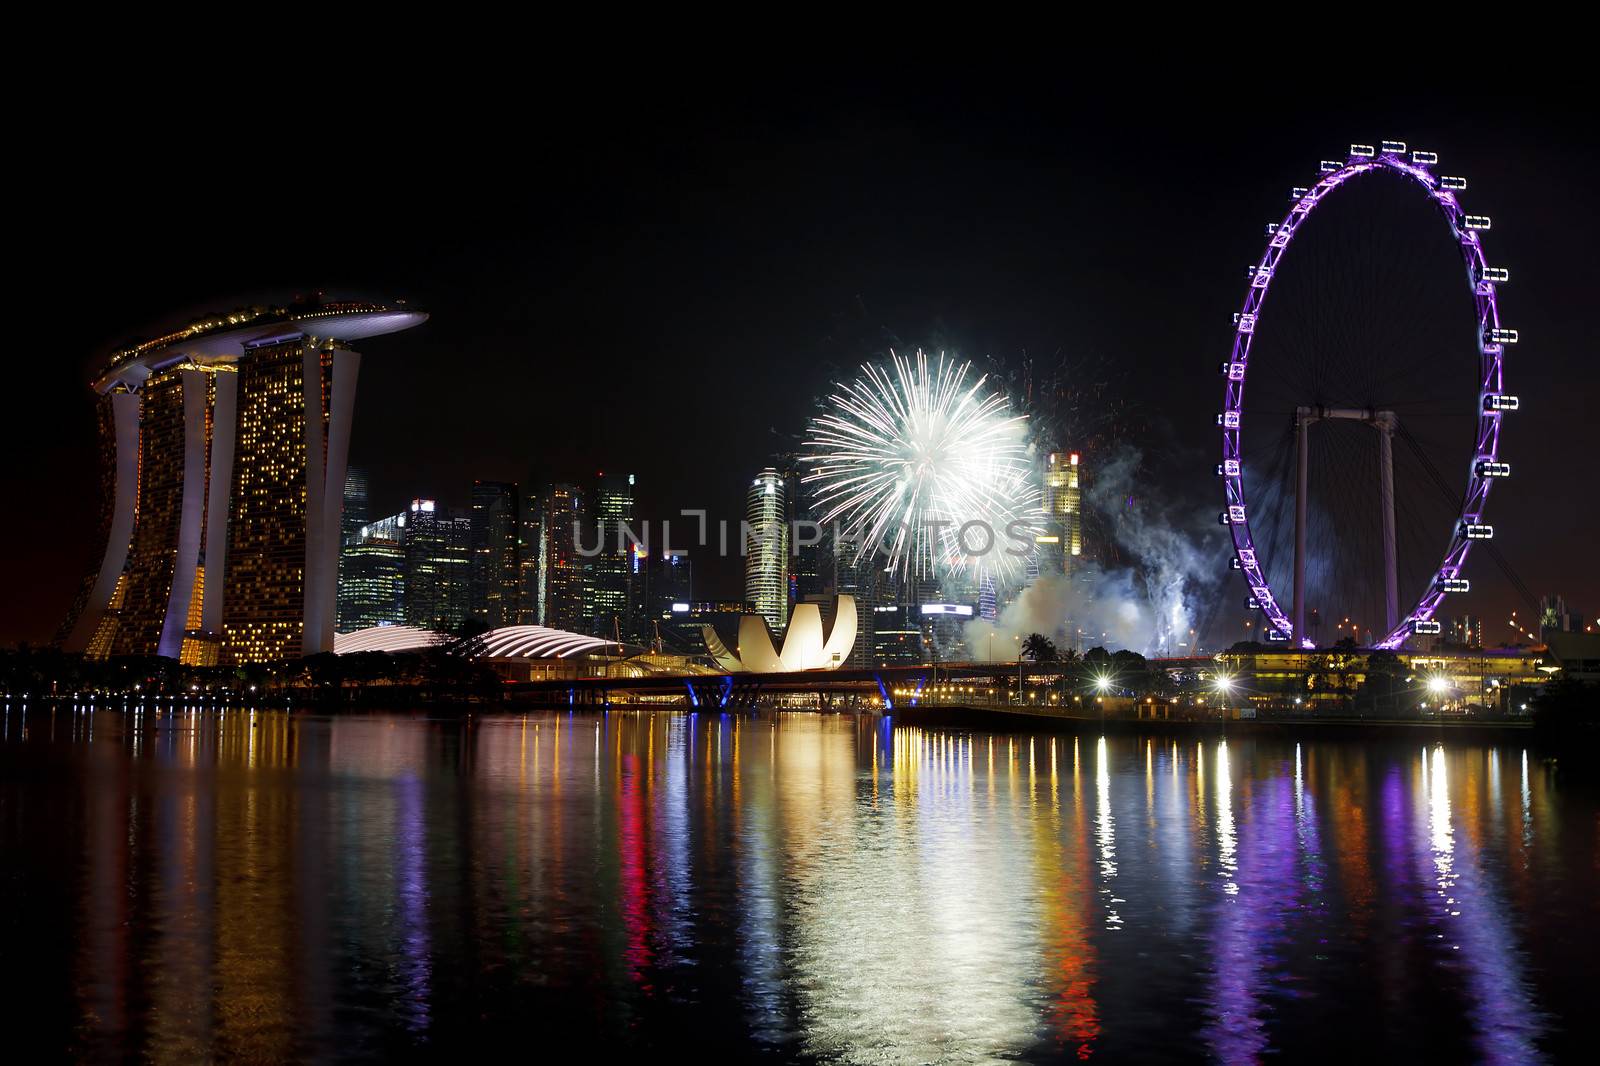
<point>932,471</point>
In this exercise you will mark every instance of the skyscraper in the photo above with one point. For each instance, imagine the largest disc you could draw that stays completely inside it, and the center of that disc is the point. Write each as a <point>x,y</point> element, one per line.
<point>223,446</point>
<point>372,576</point>
<point>495,524</point>
<point>560,569</point>
<point>860,577</point>
<point>811,554</point>
<point>766,548</point>
<point>438,551</point>
<point>1466,630</point>
<point>355,513</point>
<point>1062,540</point>
<point>609,573</point>
<point>351,522</point>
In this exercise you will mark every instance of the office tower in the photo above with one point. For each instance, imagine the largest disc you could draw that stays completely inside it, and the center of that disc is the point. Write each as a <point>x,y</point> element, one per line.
<point>610,560</point>
<point>810,550</point>
<point>372,576</point>
<point>496,523</point>
<point>351,521</point>
<point>673,580</point>
<point>1555,617</point>
<point>684,621</point>
<point>669,581</point>
<point>860,578</point>
<point>944,630</point>
<point>1061,541</point>
<point>355,514</point>
<point>223,446</point>
<point>438,552</point>
<point>897,639</point>
<point>1466,631</point>
<point>559,595</point>
<point>765,541</point>
<point>528,541</point>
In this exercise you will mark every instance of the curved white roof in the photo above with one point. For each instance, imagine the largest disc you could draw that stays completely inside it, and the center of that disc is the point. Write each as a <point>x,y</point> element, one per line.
<point>386,638</point>
<point>509,642</point>
<point>537,642</point>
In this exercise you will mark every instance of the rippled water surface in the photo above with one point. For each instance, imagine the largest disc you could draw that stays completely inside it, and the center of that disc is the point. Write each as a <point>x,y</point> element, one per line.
<point>200,885</point>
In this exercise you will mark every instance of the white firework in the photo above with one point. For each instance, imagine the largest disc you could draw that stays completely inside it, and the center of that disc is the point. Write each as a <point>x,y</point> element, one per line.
<point>929,469</point>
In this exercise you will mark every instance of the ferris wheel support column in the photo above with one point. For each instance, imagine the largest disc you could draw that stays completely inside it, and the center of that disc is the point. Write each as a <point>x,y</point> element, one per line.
<point>1385,423</point>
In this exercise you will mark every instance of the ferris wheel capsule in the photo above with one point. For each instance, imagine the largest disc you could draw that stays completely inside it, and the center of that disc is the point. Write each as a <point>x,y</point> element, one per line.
<point>1424,158</point>
<point>1394,147</point>
<point>1454,184</point>
<point>1362,151</point>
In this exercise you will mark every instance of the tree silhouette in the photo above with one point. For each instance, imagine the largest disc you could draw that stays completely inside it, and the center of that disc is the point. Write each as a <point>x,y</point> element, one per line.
<point>1039,648</point>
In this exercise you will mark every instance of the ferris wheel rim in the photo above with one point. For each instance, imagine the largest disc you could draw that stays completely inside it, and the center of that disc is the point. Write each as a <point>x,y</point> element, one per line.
<point>1391,156</point>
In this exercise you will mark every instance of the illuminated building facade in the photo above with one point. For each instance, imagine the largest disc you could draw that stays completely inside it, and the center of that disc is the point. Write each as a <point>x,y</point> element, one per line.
<point>609,574</point>
<point>355,514</point>
<point>671,581</point>
<point>766,548</point>
<point>859,577</point>
<point>1466,631</point>
<point>683,621</point>
<point>944,629</point>
<point>372,567</point>
<point>559,593</point>
<point>352,520</point>
<point>811,554</point>
<point>1061,542</point>
<point>438,552</point>
<point>896,637</point>
<point>223,450</point>
<point>496,521</point>
<point>1555,617</point>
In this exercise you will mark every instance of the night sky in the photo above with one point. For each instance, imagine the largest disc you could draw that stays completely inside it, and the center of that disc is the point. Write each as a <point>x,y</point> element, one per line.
<point>665,289</point>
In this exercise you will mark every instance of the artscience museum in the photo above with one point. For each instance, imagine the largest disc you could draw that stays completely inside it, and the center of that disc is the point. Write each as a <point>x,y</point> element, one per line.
<point>805,645</point>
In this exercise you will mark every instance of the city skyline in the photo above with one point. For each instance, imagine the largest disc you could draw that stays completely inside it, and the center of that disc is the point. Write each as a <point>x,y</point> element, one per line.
<point>1032,283</point>
<point>855,569</point>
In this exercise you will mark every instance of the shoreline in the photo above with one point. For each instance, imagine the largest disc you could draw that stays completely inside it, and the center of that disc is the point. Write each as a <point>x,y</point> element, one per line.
<point>989,718</point>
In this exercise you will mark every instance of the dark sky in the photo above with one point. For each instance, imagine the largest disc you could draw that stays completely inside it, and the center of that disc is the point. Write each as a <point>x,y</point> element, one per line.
<point>665,288</point>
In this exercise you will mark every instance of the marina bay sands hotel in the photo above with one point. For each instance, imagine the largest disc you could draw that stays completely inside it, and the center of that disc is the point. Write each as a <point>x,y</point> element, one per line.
<point>222,465</point>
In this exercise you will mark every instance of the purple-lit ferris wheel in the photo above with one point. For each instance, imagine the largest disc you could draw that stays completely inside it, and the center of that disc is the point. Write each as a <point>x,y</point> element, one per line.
<point>1492,403</point>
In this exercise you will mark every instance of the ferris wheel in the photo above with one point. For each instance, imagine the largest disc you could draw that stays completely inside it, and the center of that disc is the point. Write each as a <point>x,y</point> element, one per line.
<point>1384,420</point>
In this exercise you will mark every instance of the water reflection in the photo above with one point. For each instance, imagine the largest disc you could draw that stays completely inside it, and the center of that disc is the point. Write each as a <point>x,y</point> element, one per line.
<point>264,885</point>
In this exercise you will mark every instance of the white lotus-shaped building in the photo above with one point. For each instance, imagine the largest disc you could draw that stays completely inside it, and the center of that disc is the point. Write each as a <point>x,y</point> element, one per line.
<point>805,647</point>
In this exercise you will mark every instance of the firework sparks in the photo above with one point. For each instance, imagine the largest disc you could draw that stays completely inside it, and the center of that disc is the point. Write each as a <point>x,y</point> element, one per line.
<point>933,471</point>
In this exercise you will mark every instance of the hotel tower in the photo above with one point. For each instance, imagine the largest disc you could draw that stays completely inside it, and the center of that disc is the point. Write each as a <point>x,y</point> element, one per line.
<point>222,468</point>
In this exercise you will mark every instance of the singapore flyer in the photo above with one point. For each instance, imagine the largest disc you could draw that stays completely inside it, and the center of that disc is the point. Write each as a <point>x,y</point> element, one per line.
<point>1405,603</point>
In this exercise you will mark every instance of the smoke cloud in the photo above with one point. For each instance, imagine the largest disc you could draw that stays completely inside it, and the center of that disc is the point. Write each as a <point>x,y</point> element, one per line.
<point>1149,605</point>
